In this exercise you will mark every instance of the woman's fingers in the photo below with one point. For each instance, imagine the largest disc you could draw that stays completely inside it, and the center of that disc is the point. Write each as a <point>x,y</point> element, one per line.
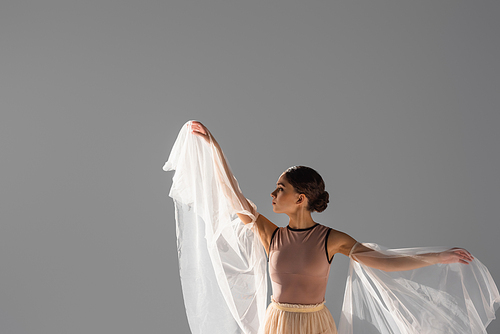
<point>465,256</point>
<point>199,129</point>
<point>457,255</point>
<point>464,253</point>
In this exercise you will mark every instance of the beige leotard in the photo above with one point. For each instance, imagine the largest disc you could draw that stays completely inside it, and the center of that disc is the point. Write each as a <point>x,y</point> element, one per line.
<point>299,264</point>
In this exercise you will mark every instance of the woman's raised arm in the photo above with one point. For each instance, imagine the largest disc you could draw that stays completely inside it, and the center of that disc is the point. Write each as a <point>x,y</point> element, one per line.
<point>245,209</point>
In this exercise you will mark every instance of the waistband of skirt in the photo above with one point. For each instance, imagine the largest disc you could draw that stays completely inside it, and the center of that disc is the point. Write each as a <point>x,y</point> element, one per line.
<point>298,308</point>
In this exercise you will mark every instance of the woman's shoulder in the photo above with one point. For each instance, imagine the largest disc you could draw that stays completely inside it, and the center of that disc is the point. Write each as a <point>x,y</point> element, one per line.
<point>321,227</point>
<point>336,234</point>
<point>339,242</point>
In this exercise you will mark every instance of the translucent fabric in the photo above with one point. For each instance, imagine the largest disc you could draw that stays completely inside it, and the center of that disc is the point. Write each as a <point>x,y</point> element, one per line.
<point>299,319</point>
<point>224,277</point>
<point>437,298</point>
<point>223,265</point>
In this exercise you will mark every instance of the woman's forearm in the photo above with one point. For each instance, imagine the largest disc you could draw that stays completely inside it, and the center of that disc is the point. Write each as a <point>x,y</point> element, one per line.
<point>245,211</point>
<point>391,262</point>
<point>411,262</point>
<point>395,262</point>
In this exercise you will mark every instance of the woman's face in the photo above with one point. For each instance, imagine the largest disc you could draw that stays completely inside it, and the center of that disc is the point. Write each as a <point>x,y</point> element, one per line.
<point>284,197</point>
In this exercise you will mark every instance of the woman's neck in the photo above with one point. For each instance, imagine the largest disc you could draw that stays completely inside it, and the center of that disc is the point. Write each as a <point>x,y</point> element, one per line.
<point>301,219</point>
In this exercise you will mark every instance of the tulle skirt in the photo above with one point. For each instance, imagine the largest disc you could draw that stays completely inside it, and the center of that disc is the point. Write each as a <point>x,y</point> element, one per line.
<point>298,319</point>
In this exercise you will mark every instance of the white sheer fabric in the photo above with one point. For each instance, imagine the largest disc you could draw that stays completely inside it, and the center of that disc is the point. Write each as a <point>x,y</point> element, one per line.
<point>223,265</point>
<point>222,262</point>
<point>436,299</point>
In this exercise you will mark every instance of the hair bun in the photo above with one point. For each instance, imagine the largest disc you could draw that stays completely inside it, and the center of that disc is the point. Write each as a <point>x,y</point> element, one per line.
<point>307,181</point>
<point>321,202</point>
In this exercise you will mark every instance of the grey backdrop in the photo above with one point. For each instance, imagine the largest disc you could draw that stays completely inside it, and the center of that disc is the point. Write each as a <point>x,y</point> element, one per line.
<point>394,103</point>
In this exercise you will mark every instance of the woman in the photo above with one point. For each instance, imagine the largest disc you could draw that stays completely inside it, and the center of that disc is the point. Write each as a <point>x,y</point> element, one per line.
<point>300,256</point>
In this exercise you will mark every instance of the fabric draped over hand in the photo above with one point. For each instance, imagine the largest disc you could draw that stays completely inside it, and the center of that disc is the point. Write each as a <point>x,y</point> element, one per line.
<point>223,266</point>
<point>433,299</point>
<point>221,260</point>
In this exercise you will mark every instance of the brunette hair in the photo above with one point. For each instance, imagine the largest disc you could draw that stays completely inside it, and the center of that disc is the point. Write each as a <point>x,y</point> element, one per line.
<point>307,181</point>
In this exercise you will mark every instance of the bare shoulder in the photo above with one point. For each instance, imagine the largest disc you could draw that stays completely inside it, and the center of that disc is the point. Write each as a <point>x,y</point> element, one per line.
<point>339,242</point>
<point>266,230</point>
<point>265,224</point>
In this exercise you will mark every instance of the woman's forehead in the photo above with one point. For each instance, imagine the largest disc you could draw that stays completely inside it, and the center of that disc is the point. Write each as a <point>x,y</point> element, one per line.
<point>282,179</point>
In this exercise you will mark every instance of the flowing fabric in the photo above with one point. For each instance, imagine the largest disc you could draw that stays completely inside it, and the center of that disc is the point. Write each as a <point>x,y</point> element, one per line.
<point>435,299</point>
<point>222,263</point>
<point>223,266</point>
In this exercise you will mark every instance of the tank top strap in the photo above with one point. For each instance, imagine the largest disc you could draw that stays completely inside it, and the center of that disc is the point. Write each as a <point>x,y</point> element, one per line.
<point>299,264</point>
<point>321,231</point>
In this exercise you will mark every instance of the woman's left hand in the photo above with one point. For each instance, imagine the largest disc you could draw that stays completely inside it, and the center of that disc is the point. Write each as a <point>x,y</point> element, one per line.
<point>455,255</point>
<point>200,130</point>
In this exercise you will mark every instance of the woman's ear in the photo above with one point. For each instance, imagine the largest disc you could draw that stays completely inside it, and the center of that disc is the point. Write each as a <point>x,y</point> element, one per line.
<point>301,198</point>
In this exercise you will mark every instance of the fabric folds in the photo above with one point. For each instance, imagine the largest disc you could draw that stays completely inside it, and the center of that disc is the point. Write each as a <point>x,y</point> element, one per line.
<point>222,262</point>
<point>435,299</point>
<point>299,319</point>
<point>223,266</point>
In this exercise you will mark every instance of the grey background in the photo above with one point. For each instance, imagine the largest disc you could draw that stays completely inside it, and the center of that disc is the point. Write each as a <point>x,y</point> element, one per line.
<point>394,103</point>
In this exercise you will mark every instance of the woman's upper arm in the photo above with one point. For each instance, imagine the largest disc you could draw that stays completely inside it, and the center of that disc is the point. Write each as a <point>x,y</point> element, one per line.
<point>244,218</point>
<point>266,229</point>
<point>339,242</point>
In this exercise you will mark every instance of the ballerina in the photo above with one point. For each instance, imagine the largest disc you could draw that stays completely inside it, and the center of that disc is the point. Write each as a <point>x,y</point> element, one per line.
<point>386,288</point>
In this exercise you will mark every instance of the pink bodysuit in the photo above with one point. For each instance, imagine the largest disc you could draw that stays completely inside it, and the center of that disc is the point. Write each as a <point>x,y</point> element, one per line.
<point>299,264</point>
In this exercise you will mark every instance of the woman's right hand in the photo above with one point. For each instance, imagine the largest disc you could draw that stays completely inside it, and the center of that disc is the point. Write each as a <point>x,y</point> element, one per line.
<point>455,255</point>
<point>200,130</point>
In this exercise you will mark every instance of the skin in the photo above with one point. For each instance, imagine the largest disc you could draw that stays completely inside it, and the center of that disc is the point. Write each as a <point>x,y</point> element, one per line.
<point>285,199</point>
